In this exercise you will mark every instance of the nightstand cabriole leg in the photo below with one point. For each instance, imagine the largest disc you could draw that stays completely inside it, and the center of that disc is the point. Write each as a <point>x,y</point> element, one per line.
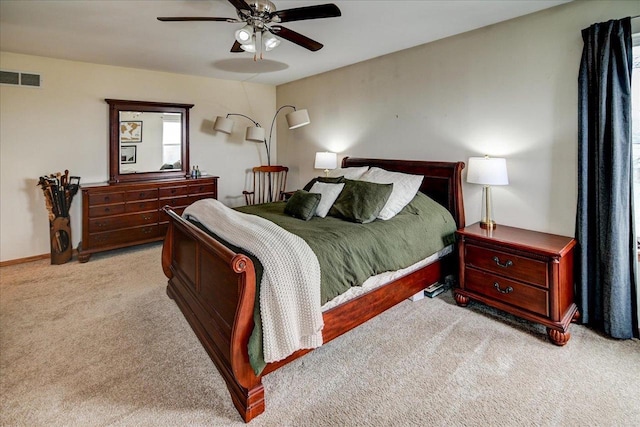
<point>557,337</point>
<point>461,300</point>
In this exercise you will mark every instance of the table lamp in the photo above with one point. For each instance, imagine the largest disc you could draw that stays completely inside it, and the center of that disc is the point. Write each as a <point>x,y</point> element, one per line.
<point>487,171</point>
<point>326,161</point>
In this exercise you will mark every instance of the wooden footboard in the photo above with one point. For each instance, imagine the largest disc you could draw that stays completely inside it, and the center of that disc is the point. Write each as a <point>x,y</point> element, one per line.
<point>215,287</point>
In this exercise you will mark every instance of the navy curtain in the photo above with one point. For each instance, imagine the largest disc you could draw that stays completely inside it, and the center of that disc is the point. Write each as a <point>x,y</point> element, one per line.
<point>606,262</point>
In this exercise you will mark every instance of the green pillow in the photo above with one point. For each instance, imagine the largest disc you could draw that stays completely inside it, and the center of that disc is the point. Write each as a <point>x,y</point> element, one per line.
<point>302,204</point>
<point>361,201</point>
<point>325,179</point>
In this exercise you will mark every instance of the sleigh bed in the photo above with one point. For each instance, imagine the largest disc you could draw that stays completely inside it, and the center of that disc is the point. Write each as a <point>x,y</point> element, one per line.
<point>215,287</point>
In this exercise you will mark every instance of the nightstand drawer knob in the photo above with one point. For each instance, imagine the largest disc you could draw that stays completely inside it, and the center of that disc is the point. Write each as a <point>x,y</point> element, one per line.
<point>509,263</point>
<point>502,291</point>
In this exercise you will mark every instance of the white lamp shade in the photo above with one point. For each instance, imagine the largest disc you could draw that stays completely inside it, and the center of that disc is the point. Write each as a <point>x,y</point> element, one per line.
<point>223,124</point>
<point>244,34</point>
<point>250,47</point>
<point>270,41</point>
<point>255,134</point>
<point>487,171</point>
<point>298,118</point>
<point>326,160</point>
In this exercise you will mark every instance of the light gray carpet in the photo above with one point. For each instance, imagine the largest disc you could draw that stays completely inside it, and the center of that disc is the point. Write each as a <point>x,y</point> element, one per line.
<point>100,344</point>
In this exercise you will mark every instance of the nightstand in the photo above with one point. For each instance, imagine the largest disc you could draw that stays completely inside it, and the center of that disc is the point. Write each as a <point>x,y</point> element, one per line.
<point>525,273</point>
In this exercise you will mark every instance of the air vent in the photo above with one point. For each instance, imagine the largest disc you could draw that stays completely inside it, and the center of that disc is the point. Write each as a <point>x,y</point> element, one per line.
<point>17,78</point>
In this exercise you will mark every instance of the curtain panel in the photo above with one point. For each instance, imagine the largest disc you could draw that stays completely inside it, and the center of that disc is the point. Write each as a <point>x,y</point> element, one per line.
<point>606,285</point>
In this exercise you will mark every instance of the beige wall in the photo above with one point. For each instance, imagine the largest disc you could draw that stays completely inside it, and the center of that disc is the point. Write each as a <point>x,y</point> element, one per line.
<point>63,125</point>
<point>506,90</point>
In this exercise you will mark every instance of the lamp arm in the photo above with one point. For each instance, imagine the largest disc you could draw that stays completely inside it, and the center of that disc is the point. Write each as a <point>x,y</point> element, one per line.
<point>246,117</point>
<point>273,122</point>
<point>257,125</point>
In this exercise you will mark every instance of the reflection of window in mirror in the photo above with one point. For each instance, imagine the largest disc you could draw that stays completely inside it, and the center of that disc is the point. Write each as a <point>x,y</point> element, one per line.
<point>171,140</point>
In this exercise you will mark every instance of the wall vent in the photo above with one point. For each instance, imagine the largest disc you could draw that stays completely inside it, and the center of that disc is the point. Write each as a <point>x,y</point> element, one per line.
<point>17,78</point>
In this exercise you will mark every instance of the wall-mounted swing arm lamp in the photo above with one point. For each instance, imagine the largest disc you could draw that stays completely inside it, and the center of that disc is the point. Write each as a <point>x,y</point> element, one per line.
<point>256,133</point>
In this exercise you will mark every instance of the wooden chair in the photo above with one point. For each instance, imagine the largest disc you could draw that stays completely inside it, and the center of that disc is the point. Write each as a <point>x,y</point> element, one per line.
<point>268,184</point>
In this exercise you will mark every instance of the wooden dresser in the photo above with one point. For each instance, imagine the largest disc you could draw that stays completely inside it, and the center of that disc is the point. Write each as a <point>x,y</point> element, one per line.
<point>126,214</point>
<point>525,273</point>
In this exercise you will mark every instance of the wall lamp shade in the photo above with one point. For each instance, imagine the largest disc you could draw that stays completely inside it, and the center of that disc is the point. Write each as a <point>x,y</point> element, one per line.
<point>255,134</point>
<point>487,171</point>
<point>326,160</point>
<point>298,118</point>
<point>223,124</point>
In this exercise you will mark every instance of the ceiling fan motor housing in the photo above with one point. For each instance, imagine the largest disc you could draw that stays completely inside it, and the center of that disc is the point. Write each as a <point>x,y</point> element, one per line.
<point>261,13</point>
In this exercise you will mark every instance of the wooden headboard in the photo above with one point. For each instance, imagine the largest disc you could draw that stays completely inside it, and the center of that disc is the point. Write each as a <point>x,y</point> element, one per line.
<point>442,180</point>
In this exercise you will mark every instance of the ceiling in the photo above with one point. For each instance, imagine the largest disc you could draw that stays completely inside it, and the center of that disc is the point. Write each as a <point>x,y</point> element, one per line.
<point>127,33</point>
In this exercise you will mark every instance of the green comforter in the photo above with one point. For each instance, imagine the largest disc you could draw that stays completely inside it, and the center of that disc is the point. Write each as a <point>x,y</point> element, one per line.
<point>349,253</point>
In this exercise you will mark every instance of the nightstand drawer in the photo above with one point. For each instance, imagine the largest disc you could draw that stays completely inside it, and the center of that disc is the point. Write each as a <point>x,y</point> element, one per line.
<point>506,264</point>
<point>509,291</point>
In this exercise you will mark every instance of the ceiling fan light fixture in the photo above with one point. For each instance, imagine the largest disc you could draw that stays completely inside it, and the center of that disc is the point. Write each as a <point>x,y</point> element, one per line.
<point>245,35</point>
<point>270,41</point>
<point>249,47</point>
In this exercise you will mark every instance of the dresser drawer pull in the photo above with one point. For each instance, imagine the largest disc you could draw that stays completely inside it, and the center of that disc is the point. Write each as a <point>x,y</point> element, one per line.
<point>503,291</point>
<point>509,263</point>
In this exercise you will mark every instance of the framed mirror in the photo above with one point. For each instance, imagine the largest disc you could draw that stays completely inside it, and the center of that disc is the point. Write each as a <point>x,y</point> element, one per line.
<point>148,140</point>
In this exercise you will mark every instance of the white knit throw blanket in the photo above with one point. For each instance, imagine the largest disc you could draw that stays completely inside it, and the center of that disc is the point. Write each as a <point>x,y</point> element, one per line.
<point>290,286</point>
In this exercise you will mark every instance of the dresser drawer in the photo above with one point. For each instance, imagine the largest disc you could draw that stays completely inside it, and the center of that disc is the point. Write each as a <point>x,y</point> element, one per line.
<point>124,235</point>
<point>511,292</point>
<point>175,201</point>
<point>148,205</point>
<point>506,264</point>
<point>105,198</point>
<point>151,193</point>
<point>209,188</point>
<point>104,210</point>
<point>174,191</point>
<point>108,223</point>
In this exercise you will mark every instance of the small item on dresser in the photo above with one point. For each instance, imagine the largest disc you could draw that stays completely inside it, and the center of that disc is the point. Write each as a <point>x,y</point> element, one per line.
<point>193,172</point>
<point>198,174</point>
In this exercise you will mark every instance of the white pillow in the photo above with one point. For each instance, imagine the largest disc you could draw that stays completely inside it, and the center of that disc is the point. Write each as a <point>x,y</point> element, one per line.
<point>348,173</point>
<point>405,187</point>
<point>329,192</point>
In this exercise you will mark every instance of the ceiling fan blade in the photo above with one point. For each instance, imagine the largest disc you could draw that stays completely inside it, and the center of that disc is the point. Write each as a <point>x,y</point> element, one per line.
<point>240,4</point>
<point>329,10</point>
<point>296,38</point>
<point>194,18</point>
<point>236,47</point>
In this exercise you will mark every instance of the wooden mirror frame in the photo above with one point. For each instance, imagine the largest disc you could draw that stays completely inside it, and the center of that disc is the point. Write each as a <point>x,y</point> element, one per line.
<point>118,105</point>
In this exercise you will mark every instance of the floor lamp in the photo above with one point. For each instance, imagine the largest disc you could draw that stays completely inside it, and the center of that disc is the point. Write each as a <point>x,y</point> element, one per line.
<point>256,133</point>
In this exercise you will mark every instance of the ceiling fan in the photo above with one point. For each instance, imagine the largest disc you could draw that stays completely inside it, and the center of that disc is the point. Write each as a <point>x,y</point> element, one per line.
<point>259,30</point>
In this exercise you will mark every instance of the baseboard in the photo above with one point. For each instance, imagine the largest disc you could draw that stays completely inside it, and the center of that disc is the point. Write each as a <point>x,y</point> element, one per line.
<point>29,259</point>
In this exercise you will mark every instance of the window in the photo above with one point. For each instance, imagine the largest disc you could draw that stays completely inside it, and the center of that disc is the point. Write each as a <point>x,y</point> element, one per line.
<point>171,138</point>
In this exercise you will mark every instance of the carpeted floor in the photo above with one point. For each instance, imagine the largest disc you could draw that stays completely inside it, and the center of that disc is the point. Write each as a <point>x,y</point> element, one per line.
<point>100,344</point>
